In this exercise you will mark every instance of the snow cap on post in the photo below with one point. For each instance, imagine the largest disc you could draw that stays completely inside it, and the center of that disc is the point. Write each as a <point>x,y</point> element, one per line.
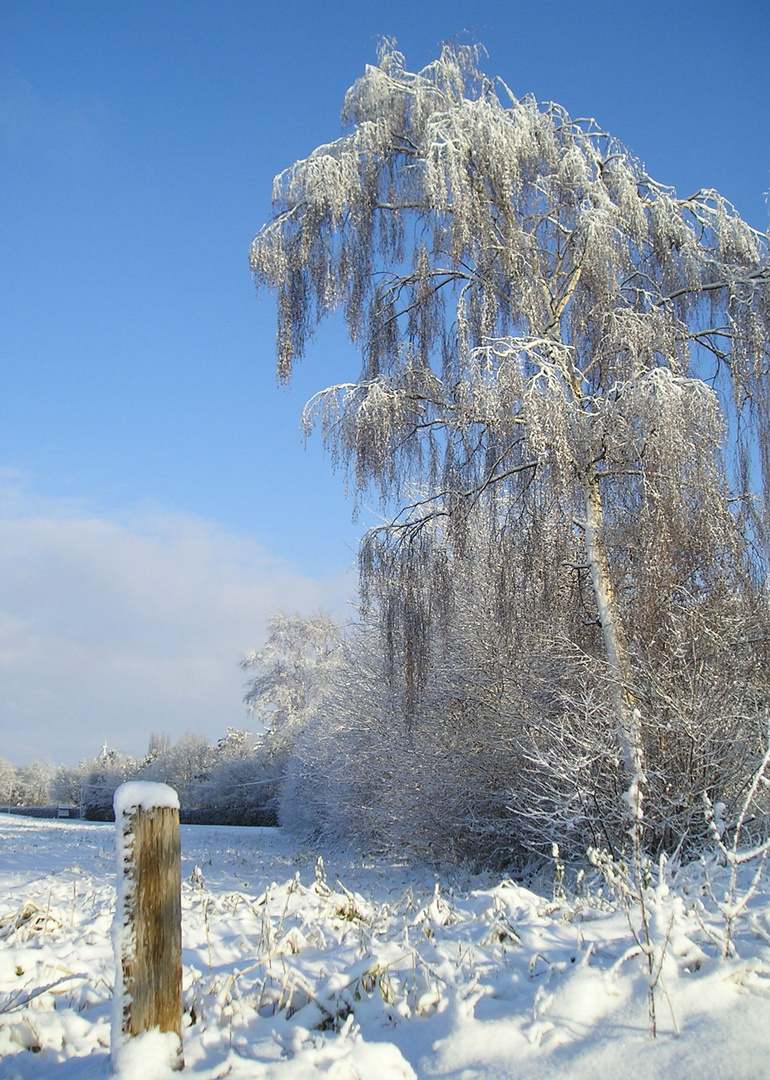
<point>147,930</point>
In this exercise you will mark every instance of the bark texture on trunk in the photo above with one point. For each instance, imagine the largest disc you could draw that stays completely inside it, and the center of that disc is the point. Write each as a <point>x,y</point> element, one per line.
<point>615,645</point>
<point>151,920</point>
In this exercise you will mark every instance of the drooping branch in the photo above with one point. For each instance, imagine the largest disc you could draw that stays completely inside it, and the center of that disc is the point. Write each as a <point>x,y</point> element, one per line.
<point>539,321</point>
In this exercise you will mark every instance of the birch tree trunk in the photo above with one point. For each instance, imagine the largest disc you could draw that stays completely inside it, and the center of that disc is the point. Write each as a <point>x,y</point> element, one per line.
<point>615,644</point>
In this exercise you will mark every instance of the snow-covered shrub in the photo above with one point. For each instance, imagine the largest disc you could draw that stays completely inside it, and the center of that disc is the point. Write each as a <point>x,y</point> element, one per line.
<point>510,745</point>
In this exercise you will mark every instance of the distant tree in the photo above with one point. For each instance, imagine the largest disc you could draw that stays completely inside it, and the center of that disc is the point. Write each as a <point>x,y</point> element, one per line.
<point>181,764</point>
<point>185,766</point>
<point>190,760</point>
<point>68,782</point>
<point>237,745</point>
<point>33,783</point>
<point>235,792</point>
<point>553,343</point>
<point>103,776</point>
<point>7,781</point>
<point>158,747</point>
<point>291,674</point>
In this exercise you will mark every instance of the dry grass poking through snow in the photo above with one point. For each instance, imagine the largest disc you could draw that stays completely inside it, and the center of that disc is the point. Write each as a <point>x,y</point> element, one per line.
<point>294,969</point>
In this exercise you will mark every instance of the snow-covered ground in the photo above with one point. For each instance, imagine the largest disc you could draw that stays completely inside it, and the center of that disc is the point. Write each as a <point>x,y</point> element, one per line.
<point>295,969</point>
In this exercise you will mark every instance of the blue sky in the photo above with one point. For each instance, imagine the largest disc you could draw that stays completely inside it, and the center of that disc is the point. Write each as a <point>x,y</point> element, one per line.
<point>156,498</point>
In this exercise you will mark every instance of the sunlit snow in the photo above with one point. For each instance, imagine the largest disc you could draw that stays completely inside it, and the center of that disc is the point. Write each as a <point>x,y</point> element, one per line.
<point>296,967</point>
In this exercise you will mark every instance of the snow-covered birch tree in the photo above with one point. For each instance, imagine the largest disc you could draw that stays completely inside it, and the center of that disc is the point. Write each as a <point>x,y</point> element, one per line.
<point>290,676</point>
<point>291,672</point>
<point>549,337</point>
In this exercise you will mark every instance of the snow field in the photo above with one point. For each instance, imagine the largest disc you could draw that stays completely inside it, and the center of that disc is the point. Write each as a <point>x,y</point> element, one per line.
<point>294,969</point>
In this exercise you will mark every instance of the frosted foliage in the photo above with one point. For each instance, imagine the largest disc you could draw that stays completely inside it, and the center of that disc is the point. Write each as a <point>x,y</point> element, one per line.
<point>292,668</point>
<point>453,213</point>
<point>554,345</point>
<point>291,674</point>
<point>511,743</point>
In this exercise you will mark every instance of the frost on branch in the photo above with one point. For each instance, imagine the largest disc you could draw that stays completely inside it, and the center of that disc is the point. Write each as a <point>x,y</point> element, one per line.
<point>453,217</point>
<point>565,377</point>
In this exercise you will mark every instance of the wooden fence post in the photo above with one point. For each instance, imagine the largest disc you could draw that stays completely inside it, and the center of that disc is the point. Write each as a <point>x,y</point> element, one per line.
<point>147,932</point>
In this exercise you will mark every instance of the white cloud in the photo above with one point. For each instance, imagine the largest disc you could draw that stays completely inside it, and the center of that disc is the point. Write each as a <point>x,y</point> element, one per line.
<point>115,628</point>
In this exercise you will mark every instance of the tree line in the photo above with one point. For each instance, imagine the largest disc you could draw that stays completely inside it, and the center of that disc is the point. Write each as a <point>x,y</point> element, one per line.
<point>234,781</point>
<point>216,783</point>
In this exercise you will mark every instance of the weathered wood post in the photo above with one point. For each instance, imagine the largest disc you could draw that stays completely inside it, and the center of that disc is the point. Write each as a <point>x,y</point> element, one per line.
<point>147,931</point>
